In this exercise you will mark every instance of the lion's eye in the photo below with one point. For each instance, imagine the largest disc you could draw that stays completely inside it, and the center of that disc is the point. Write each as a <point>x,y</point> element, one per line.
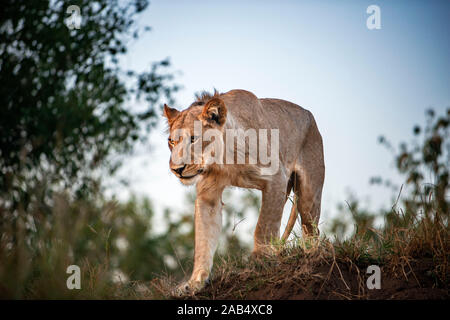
<point>171,142</point>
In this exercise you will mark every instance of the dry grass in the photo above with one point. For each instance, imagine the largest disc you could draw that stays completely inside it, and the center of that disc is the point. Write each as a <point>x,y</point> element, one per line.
<point>411,250</point>
<point>413,254</point>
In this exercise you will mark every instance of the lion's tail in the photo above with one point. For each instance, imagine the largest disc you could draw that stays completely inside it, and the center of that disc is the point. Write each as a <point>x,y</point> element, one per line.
<point>292,218</point>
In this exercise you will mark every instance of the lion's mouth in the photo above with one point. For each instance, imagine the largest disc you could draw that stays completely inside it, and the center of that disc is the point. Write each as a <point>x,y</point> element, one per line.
<point>192,176</point>
<point>189,177</point>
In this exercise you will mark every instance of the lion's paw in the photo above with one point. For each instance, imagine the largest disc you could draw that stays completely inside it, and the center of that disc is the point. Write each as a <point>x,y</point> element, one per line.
<point>189,288</point>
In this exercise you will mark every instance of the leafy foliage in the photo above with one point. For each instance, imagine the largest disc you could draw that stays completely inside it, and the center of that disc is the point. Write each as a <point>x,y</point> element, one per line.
<point>64,99</point>
<point>416,227</point>
<point>424,165</point>
<point>66,113</point>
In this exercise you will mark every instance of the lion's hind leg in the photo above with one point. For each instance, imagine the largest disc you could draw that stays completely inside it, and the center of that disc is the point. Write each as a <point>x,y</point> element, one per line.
<point>310,173</point>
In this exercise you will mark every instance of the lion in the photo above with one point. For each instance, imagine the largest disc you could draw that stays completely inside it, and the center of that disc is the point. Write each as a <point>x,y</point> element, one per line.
<point>300,168</point>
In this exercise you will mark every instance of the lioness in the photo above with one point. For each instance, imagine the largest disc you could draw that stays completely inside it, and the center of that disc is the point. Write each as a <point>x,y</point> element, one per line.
<point>300,168</point>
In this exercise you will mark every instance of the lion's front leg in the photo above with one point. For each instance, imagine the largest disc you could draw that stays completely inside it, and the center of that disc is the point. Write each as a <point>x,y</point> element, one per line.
<point>208,224</point>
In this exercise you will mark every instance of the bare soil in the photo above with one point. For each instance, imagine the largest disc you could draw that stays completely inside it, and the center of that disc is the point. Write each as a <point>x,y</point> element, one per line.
<point>334,280</point>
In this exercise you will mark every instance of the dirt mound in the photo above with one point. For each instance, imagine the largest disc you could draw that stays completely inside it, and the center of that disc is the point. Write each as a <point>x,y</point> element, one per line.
<point>327,279</point>
<point>405,264</point>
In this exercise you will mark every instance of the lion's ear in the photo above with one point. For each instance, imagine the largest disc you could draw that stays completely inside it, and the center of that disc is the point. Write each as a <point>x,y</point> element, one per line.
<point>170,113</point>
<point>215,111</point>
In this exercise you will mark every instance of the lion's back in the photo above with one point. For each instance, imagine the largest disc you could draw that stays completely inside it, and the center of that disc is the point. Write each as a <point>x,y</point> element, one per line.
<point>254,112</point>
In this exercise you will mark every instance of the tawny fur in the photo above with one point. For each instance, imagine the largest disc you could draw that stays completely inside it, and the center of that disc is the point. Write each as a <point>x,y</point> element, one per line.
<point>301,169</point>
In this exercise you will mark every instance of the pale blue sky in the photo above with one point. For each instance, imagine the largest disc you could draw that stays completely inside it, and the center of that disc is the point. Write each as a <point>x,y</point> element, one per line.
<point>358,83</point>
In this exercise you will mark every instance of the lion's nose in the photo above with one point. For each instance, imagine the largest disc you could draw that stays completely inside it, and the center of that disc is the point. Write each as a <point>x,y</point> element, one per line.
<point>179,170</point>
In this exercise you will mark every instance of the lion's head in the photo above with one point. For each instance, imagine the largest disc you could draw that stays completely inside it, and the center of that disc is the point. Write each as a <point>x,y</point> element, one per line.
<point>189,141</point>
